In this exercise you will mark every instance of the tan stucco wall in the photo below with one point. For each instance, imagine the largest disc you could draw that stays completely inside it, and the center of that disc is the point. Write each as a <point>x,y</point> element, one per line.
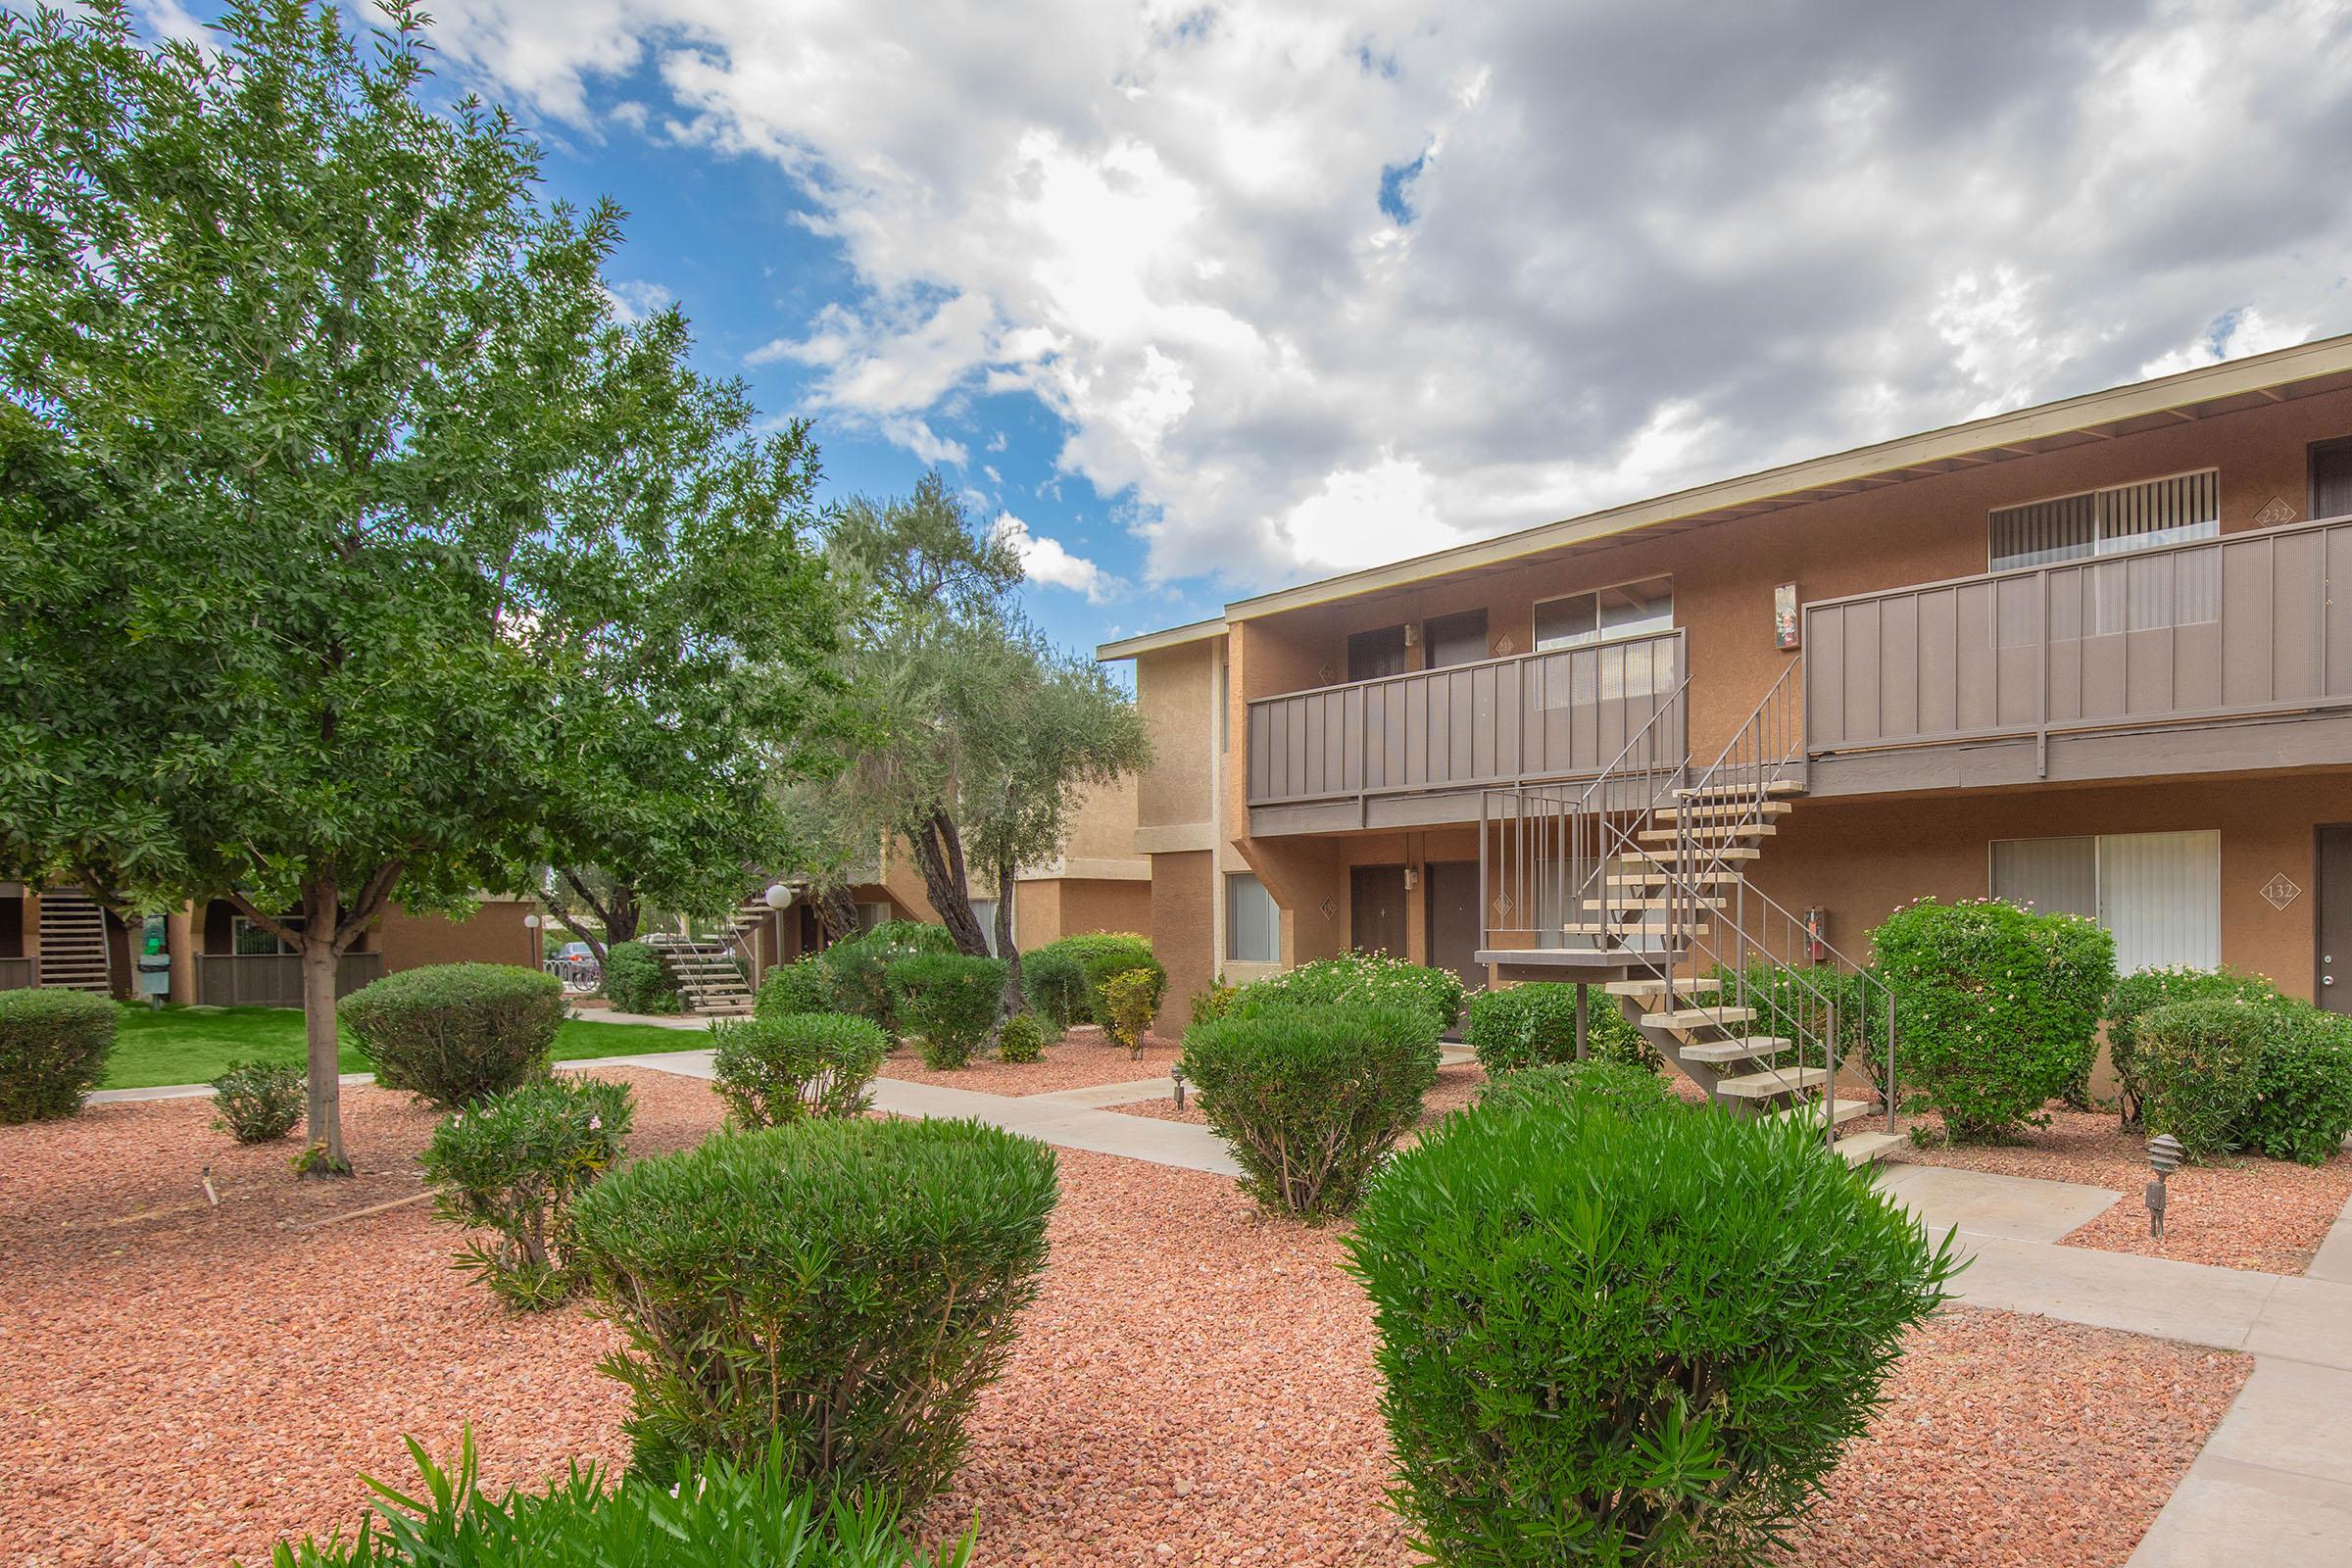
<point>1181,892</point>
<point>1175,691</point>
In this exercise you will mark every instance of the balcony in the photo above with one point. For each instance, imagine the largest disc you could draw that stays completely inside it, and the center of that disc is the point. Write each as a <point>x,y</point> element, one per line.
<point>2212,655</point>
<point>19,974</point>
<point>1415,750</point>
<point>272,979</point>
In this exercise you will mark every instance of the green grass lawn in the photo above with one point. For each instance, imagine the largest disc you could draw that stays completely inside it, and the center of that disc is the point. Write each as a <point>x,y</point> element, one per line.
<point>179,1045</point>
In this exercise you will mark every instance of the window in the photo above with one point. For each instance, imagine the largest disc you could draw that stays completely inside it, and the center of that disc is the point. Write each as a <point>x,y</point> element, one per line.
<point>1628,610</point>
<point>1253,924</point>
<point>2159,894</point>
<point>2332,479</point>
<point>2106,523</point>
<point>870,915</point>
<point>984,910</point>
<point>244,937</point>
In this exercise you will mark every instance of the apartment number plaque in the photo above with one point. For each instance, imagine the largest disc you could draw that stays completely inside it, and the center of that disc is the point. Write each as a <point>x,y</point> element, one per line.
<point>2279,892</point>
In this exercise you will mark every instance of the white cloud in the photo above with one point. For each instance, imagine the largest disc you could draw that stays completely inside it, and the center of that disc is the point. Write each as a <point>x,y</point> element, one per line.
<point>634,300</point>
<point>1647,245</point>
<point>1045,560</point>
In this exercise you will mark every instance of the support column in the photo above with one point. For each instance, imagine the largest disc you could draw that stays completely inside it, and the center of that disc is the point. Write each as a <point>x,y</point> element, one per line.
<point>1584,1018</point>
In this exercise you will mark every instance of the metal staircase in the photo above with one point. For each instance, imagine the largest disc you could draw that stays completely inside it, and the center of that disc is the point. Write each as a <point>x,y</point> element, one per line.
<point>73,950</point>
<point>1639,883</point>
<point>709,977</point>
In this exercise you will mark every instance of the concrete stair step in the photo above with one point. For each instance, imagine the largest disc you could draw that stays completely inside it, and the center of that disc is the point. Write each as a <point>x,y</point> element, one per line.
<point>1740,791</point>
<point>1747,1048</point>
<point>1639,878</point>
<point>1718,813</point>
<point>1819,1113</point>
<point>1687,1018</point>
<point>1705,836</point>
<point>1868,1149</point>
<point>1771,1083</point>
<point>1691,987</point>
<point>1660,902</point>
<point>1701,859</point>
<point>1630,928</point>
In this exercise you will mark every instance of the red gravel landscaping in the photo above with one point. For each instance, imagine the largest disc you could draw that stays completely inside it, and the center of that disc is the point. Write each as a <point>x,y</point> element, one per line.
<point>1079,1060</point>
<point>2241,1211</point>
<point>1195,1385</point>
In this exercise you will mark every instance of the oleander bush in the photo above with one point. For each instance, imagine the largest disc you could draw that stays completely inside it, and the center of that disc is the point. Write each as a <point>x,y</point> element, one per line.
<point>1054,982</point>
<point>857,971</point>
<point>1207,1006</point>
<point>1535,1025</point>
<point>258,1102</point>
<point>1997,1008</point>
<point>1589,1354</point>
<point>2139,993</point>
<point>773,1068</point>
<point>1098,956</point>
<point>636,980</point>
<point>2200,1063</point>
<point>1021,1037</point>
<point>844,1289</point>
<point>1309,1098</point>
<point>1633,1091</point>
<point>719,1515</point>
<point>451,1033</point>
<point>1368,978</point>
<point>53,1049</point>
<point>1133,998</point>
<point>949,1000</point>
<point>802,987</point>
<point>2302,1104</point>
<point>511,1164</point>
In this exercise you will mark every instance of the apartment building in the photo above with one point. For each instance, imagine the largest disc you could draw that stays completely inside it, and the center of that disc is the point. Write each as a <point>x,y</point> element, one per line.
<point>2096,655</point>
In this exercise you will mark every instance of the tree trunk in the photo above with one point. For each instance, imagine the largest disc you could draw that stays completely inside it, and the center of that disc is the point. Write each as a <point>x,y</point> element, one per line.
<point>624,915</point>
<point>837,914</point>
<point>324,1128</point>
<point>1016,1002</point>
<point>938,854</point>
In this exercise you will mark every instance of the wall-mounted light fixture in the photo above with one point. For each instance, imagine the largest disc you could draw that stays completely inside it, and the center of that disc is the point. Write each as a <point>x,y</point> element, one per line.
<point>1412,634</point>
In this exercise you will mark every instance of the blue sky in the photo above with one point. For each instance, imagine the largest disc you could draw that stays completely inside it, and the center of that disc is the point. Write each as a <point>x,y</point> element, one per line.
<point>1213,296</point>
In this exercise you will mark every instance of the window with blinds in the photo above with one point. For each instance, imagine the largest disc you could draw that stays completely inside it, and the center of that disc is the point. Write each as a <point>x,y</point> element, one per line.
<point>1252,924</point>
<point>2160,894</point>
<point>2111,522</point>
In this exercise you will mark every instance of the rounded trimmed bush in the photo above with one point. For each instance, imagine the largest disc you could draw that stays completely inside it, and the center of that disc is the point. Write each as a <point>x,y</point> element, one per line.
<point>1997,1008</point>
<point>1054,982</point>
<point>844,1289</point>
<point>1022,1039</point>
<point>636,980</point>
<point>1351,978</point>
<point>772,1068</point>
<point>511,1164</point>
<point>1617,1339</point>
<point>2137,994</point>
<point>1632,1091</point>
<point>53,1049</point>
<point>857,971</point>
<point>950,1000</point>
<point>2201,1064</point>
<point>452,1033</point>
<point>1311,1098</point>
<point>1535,1025</point>
<point>796,988</point>
<point>1098,954</point>
<point>2302,1104</point>
<point>258,1102</point>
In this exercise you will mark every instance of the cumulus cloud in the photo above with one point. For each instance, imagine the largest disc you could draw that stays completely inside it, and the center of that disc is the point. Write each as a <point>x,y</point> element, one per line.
<point>633,299</point>
<point>1311,286</point>
<point>1045,560</point>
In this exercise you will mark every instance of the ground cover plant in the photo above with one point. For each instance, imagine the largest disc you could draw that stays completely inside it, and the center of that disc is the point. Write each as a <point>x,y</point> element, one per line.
<point>53,1050</point>
<point>513,1165</point>
<point>719,1515</point>
<point>774,1068</point>
<point>841,1288</point>
<point>1309,1098</point>
<point>949,1000</point>
<point>1535,1025</point>
<point>1587,1354</point>
<point>258,1102</point>
<point>1997,1007</point>
<point>454,1032</point>
<point>1373,978</point>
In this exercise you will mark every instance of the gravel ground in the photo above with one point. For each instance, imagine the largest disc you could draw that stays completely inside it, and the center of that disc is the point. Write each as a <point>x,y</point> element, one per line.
<point>1079,1060</point>
<point>2242,1211</point>
<point>1456,1086</point>
<point>1194,1386</point>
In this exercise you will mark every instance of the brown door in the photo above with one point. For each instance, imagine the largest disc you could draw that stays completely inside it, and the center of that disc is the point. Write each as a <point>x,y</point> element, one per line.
<point>1457,639</point>
<point>1376,909</point>
<point>2332,904</point>
<point>1454,923</point>
<point>2332,479</point>
<point>1372,654</point>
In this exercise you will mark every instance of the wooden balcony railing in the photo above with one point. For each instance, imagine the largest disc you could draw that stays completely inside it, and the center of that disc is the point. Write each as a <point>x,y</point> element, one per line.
<point>1536,716</point>
<point>2233,627</point>
<point>272,979</point>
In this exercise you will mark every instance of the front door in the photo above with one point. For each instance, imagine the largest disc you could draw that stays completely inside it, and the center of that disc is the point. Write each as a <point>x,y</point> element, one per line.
<point>1375,654</point>
<point>1376,909</point>
<point>1453,924</point>
<point>1457,639</point>
<point>2331,913</point>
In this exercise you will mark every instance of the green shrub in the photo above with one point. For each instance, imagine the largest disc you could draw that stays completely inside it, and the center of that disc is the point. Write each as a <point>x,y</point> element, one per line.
<point>452,1033</point>
<point>636,980</point>
<point>1214,1003</point>
<point>1022,1039</point>
<point>2138,992</point>
<point>1535,1025</point>
<point>721,1515</point>
<point>1133,998</point>
<point>1590,1353</point>
<point>774,1068</point>
<point>1369,978</point>
<point>1629,1089</point>
<point>950,1000</point>
<point>796,988</point>
<point>1098,954</point>
<point>1054,982</point>
<point>2201,1064</point>
<point>857,971</point>
<point>1997,1008</point>
<point>1311,1098</point>
<point>53,1050</point>
<point>511,1164</point>
<point>2303,1095</point>
<point>258,1102</point>
<point>845,1287</point>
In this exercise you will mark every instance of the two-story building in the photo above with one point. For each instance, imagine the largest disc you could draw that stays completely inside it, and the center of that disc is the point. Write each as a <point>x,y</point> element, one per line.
<point>2096,655</point>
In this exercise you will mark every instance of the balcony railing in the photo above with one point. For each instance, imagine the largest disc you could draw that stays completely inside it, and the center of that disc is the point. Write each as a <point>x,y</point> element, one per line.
<point>272,979</point>
<point>1561,714</point>
<point>19,974</point>
<point>2235,627</point>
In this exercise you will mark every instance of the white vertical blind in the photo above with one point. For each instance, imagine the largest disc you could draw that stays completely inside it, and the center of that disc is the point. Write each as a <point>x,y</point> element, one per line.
<point>2161,895</point>
<point>1253,924</point>
<point>2054,876</point>
<point>984,910</point>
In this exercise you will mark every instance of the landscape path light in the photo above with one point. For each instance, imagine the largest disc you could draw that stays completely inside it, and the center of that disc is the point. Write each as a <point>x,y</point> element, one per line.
<point>2164,1154</point>
<point>1176,1077</point>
